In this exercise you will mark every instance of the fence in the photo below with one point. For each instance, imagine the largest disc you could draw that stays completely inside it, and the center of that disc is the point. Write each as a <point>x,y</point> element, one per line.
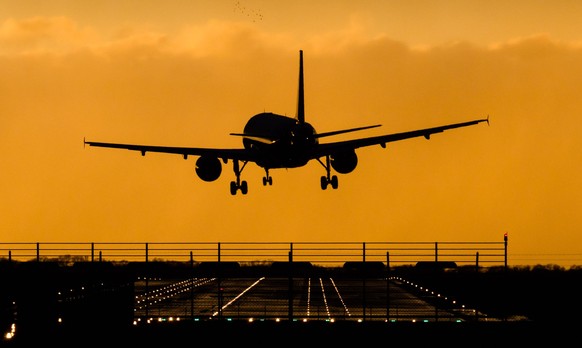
<point>347,281</point>
<point>317,253</point>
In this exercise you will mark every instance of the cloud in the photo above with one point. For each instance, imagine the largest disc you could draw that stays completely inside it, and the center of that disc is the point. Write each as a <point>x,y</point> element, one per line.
<point>62,35</point>
<point>43,34</point>
<point>220,38</point>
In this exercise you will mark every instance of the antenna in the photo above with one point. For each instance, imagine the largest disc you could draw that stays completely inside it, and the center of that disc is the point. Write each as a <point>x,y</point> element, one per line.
<point>300,99</point>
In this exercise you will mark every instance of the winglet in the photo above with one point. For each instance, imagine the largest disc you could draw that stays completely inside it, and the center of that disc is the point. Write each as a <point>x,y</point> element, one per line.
<point>300,98</point>
<point>487,119</point>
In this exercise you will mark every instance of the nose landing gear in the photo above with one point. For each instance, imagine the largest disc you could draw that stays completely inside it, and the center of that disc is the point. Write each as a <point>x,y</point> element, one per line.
<point>267,179</point>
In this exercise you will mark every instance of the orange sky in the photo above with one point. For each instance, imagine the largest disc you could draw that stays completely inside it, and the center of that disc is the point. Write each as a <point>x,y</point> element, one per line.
<point>187,73</point>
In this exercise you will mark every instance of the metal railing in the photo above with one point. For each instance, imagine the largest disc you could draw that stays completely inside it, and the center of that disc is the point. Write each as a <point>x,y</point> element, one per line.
<point>318,253</point>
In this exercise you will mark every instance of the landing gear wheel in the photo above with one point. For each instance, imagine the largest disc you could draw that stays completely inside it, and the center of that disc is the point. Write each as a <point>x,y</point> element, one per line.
<point>233,188</point>
<point>244,188</point>
<point>323,182</point>
<point>334,182</point>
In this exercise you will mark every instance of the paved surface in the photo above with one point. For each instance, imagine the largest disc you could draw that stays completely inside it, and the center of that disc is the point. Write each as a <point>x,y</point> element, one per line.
<point>301,299</point>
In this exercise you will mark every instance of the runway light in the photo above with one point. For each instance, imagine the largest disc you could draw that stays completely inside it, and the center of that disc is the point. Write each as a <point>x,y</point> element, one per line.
<point>10,334</point>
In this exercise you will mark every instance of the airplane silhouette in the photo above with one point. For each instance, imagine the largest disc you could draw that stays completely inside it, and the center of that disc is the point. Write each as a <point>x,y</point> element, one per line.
<point>275,141</point>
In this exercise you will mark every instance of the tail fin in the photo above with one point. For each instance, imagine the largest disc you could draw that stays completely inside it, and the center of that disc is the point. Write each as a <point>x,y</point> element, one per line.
<point>300,99</point>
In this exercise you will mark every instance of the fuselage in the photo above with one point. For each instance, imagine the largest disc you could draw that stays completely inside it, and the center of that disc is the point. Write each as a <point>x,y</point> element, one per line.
<point>286,142</point>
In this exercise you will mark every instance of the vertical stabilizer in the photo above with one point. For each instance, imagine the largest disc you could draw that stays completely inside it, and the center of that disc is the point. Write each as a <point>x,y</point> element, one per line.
<point>300,99</point>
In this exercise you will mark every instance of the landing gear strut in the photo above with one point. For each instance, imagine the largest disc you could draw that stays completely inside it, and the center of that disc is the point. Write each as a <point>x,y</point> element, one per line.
<point>238,184</point>
<point>328,178</point>
<point>267,179</point>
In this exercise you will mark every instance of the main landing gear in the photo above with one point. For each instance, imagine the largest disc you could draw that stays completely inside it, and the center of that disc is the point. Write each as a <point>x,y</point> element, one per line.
<point>238,184</point>
<point>328,178</point>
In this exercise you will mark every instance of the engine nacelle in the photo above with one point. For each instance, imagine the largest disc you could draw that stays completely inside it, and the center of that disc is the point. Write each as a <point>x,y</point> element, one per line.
<point>208,168</point>
<point>344,162</point>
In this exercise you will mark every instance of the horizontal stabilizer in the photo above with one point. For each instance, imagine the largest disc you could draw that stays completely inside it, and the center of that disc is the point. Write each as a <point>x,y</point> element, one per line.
<point>327,134</point>
<point>255,138</point>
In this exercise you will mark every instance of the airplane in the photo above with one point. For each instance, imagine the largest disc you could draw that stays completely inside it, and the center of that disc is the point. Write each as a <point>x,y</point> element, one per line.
<point>274,141</point>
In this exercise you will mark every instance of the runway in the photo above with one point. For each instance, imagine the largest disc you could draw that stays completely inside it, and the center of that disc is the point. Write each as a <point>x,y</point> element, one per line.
<point>298,299</point>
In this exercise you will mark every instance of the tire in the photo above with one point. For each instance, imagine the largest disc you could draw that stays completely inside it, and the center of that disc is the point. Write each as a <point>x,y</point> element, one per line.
<point>334,182</point>
<point>323,183</point>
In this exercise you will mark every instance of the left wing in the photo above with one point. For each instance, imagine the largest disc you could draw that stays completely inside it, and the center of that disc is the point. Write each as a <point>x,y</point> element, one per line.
<point>328,148</point>
<point>224,154</point>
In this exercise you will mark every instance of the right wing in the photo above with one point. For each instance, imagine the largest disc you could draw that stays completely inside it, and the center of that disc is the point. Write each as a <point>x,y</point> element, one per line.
<point>329,148</point>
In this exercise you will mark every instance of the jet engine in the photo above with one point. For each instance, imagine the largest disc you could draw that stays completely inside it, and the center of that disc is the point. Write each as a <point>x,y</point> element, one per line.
<point>344,162</point>
<point>208,168</point>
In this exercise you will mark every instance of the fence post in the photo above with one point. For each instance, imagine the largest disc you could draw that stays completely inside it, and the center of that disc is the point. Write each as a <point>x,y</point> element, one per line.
<point>92,252</point>
<point>477,262</point>
<point>363,281</point>
<point>387,287</point>
<point>505,254</point>
<point>191,280</point>
<point>9,255</point>
<point>436,260</point>
<point>147,282</point>
<point>218,277</point>
<point>290,282</point>
<point>37,251</point>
